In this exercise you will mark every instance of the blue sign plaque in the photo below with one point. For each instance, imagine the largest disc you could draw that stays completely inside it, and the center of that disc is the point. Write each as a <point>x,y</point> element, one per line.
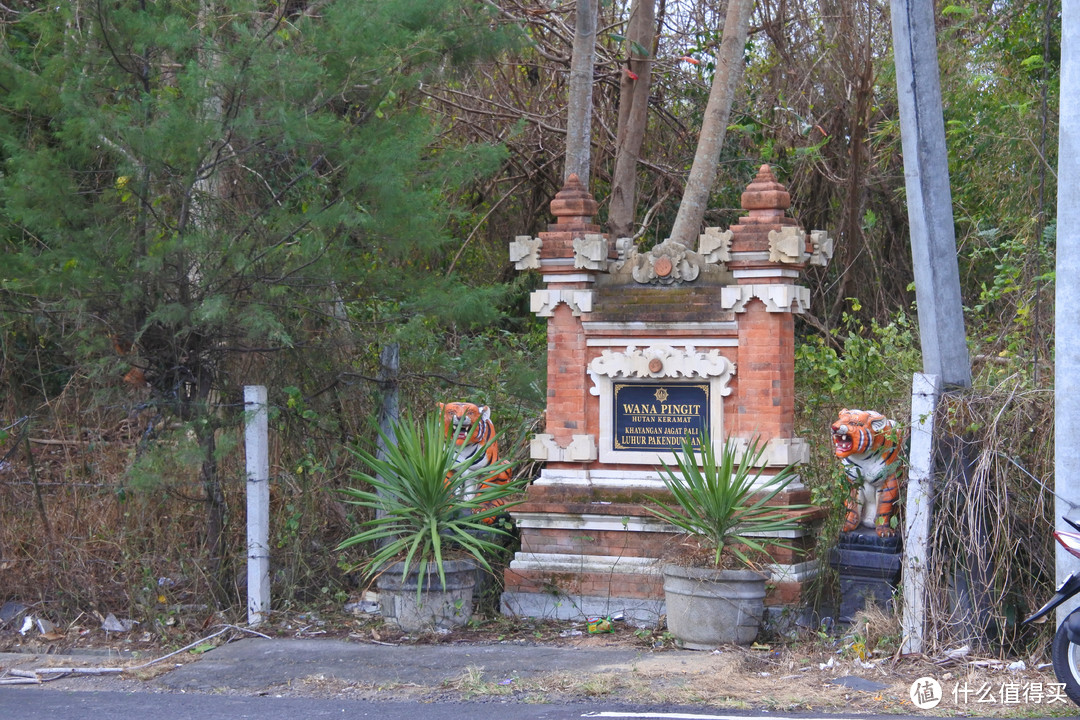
<point>656,416</point>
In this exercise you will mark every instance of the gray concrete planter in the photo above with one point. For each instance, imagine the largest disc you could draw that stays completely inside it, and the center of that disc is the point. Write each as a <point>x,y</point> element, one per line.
<point>706,607</point>
<point>438,608</point>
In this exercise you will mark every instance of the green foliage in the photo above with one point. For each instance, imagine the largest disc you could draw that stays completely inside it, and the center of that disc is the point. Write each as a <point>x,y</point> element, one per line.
<point>1003,63</point>
<point>868,367</point>
<point>224,179</point>
<point>424,501</point>
<point>724,501</point>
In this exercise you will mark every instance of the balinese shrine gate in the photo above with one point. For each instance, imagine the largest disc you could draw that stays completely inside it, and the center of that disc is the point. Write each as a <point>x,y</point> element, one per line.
<point>643,348</point>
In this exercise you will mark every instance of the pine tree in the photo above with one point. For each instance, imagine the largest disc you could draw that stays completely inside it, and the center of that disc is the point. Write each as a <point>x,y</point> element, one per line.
<point>185,181</point>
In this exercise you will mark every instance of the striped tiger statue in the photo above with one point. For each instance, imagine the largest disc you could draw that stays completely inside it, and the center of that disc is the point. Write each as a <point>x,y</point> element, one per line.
<point>474,430</point>
<point>869,447</point>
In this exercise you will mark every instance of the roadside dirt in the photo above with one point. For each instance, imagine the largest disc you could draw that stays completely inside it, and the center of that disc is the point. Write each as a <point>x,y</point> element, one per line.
<point>814,673</point>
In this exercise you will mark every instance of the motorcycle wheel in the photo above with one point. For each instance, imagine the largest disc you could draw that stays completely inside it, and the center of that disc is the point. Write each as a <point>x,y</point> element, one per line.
<point>1066,658</point>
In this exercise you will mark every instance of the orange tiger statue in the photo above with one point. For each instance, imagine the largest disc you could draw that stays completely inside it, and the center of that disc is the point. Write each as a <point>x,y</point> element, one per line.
<point>869,447</point>
<point>474,432</point>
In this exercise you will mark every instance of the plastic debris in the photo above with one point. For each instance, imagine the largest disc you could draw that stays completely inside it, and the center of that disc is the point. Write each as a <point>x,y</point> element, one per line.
<point>957,653</point>
<point>600,625</point>
<point>367,604</point>
<point>113,624</point>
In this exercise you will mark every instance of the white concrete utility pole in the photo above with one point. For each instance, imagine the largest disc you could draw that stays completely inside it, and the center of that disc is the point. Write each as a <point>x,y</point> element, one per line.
<point>256,443</point>
<point>929,199</point>
<point>1067,295</point>
<point>937,281</point>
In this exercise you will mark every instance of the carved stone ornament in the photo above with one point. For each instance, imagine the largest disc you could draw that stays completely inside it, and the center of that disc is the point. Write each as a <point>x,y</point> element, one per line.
<point>582,448</point>
<point>823,248</point>
<point>787,245</point>
<point>661,361</point>
<point>667,263</point>
<point>525,252</point>
<point>715,245</point>
<point>543,302</point>
<point>591,252</point>
<point>777,298</point>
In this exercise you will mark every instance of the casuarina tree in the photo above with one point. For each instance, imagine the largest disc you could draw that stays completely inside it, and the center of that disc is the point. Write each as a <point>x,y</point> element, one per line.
<point>186,182</point>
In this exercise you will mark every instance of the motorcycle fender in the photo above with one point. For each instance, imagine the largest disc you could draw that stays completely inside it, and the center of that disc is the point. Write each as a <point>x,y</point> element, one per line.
<point>1072,627</point>
<point>1067,589</point>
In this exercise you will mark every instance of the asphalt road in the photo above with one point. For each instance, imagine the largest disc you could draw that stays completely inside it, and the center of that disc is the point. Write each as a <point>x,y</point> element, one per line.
<point>31,703</point>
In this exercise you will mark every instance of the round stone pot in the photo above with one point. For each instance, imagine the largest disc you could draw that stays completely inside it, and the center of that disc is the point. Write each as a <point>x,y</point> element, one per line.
<point>707,607</point>
<point>438,608</point>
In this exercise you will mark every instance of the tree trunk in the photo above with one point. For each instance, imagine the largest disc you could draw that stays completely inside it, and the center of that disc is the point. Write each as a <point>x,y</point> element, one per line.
<point>389,413</point>
<point>729,65</point>
<point>633,119</point>
<point>579,104</point>
<point>215,512</point>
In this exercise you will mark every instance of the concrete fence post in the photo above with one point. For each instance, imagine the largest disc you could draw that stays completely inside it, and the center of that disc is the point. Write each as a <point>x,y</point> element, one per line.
<point>925,390</point>
<point>256,444</point>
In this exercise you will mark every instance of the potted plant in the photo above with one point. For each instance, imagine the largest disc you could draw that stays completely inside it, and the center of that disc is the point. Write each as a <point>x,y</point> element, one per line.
<point>722,504</point>
<point>431,533</point>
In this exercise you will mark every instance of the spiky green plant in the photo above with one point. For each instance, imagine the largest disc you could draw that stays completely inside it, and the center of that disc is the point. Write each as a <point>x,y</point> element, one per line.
<point>422,501</point>
<point>724,503</point>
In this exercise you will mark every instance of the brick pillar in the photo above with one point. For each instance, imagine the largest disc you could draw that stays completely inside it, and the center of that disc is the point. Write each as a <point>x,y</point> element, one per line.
<point>765,384</point>
<point>768,253</point>
<point>566,391</point>
<point>571,252</point>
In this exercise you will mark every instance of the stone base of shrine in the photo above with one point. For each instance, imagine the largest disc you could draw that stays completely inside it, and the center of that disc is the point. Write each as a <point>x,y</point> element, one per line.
<point>584,557</point>
<point>636,596</point>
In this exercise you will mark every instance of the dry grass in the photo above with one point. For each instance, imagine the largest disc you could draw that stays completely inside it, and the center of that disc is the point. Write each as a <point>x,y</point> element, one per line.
<point>992,557</point>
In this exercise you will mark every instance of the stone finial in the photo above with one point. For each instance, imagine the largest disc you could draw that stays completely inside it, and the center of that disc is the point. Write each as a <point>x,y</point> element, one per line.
<point>764,193</point>
<point>573,205</point>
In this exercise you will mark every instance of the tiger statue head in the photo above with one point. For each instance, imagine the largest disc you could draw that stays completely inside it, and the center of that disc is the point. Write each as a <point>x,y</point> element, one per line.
<point>474,435</point>
<point>867,444</point>
<point>861,432</point>
<point>472,423</point>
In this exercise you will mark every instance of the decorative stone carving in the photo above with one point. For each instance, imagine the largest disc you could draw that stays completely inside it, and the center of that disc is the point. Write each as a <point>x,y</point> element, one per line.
<point>591,252</point>
<point>582,448</point>
<point>715,245</point>
<point>543,302</point>
<point>823,248</point>
<point>661,361</point>
<point>625,247</point>
<point>787,245</point>
<point>668,263</point>
<point>778,452</point>
<point>525,252</point>
<point>777,298</point>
